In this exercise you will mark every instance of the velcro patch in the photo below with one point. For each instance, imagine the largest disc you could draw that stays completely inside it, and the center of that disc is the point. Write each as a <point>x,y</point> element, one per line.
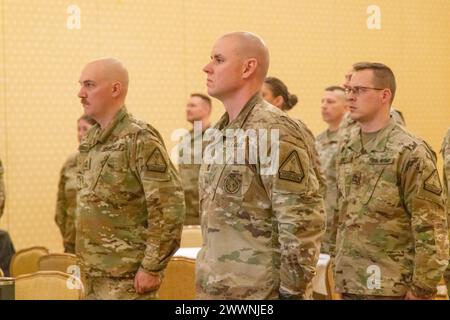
<point>291,169</point>
<point>156,162</point>
<point>433,184</point>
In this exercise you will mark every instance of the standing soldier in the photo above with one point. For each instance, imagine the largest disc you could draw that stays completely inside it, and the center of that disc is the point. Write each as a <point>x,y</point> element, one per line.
<point>67,191</point>
<point>392,238</point>
<point>198,110</point>
<point>334,107</point>
<point>130,204</point>
<point>261,228</point>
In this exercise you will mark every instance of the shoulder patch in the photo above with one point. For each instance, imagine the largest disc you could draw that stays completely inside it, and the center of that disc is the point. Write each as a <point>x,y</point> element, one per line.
<point>291,169</point>
<point>156,162</point>
<point>433,184</point>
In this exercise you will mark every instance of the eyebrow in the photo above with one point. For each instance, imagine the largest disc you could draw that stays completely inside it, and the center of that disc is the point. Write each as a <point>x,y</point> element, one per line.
<point>86,81</point>
<point>217,56</point>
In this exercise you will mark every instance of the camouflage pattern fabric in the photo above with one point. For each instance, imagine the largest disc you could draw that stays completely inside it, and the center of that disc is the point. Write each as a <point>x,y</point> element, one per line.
<point>261,232</point>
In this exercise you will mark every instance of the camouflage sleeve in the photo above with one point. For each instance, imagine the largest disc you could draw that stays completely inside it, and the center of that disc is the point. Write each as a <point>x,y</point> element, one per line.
<point>2,190</point>
<point>164,199</point>
<point>61,203</point>
<point>445,150</point>
<point>424,201</point>
<point>299,210</point>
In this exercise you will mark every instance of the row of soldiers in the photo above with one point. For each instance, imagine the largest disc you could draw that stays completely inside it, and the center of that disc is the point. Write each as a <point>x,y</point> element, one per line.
<point>262,229</point>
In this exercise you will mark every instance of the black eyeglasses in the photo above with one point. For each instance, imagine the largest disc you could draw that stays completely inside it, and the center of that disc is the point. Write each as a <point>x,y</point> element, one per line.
<point>357,90</point>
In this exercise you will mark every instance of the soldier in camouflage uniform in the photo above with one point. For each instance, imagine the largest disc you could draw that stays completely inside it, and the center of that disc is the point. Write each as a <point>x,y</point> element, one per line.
<point>67,191</point>
<point>130,204</point>
<point>445,150</point>
<point>261,230</point>
<point>334,107</point>
<point>392,238</point>
<point>198,109</point>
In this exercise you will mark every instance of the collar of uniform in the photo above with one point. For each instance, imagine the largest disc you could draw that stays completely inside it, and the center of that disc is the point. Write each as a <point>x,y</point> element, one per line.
<point>324,137</point>
<point>242,116</point>
<point>379,145</point>
<point>104,134</point>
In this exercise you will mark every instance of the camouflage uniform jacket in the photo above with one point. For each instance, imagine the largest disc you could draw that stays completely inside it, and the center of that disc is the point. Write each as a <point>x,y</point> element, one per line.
<point>130,204</point>
<point>67,199</point>
<point>392,229</point>
<point>261,232</point>
<point>445,150</point>
<point>189,178</point>
<point>327,148</point>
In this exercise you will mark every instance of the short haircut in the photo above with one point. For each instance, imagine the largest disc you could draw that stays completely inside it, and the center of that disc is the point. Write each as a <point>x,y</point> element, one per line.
<point>383,77</point>
<point>204,97</point>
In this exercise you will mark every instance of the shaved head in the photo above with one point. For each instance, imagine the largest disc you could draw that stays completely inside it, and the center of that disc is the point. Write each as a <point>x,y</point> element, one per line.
<point>249,45</point>
<point>112,70</point>
<point>104,87</point>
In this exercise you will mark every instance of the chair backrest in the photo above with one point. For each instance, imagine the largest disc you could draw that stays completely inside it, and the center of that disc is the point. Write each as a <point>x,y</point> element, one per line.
<point>26,260</point>
<point>48,285</point>
<point>57,262</point>
<point>191,237</point>
<point>319,282</point>
<point>179,280</point>
<point>331,291</point>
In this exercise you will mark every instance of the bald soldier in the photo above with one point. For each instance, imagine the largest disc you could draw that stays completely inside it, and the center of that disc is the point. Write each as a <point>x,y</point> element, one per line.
<point>445,150</point>
<point>261,224</point>
<point>392,238</point>
<point>333,107</point>
<point>130,204</point>
<point>198,111</point>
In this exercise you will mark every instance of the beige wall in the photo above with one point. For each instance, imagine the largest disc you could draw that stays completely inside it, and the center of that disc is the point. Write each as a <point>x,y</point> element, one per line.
<point>165,44</point>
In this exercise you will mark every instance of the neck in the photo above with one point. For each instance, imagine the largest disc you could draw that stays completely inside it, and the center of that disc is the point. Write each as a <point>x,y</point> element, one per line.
<point>375,124</point>
<point>105,119</point>
<point>333,127</point>
<point>205,124</point>
<point>235,103</point>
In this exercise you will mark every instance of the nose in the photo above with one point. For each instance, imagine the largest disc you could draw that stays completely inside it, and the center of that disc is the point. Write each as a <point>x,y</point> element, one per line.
<point>207,67</point>
<point>82,92</point>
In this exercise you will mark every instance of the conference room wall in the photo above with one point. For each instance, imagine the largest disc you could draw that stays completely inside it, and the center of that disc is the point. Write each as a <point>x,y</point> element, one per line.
<point>165,44</point>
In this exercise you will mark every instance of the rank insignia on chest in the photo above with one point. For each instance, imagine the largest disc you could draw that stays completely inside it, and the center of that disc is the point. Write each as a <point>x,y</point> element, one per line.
<point>232,183</point>
<point>291,169</point>
<point>87,164</point>
<point>156,162</point>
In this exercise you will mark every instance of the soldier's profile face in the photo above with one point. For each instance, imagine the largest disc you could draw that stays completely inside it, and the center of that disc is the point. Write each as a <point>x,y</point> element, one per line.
<point>224,71</point>
<point>95,90</point>
<point>196,109</point>
<point>333,106</point>
<point>364,106</point>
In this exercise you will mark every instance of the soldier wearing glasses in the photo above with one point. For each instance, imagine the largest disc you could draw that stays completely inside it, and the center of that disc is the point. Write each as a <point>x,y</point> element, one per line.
<point>392,240</point>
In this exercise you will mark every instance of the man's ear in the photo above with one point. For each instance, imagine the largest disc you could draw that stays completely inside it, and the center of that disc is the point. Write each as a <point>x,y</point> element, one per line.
<point>387,95</point>
<point>249,67</point>
<point>116,89</point>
